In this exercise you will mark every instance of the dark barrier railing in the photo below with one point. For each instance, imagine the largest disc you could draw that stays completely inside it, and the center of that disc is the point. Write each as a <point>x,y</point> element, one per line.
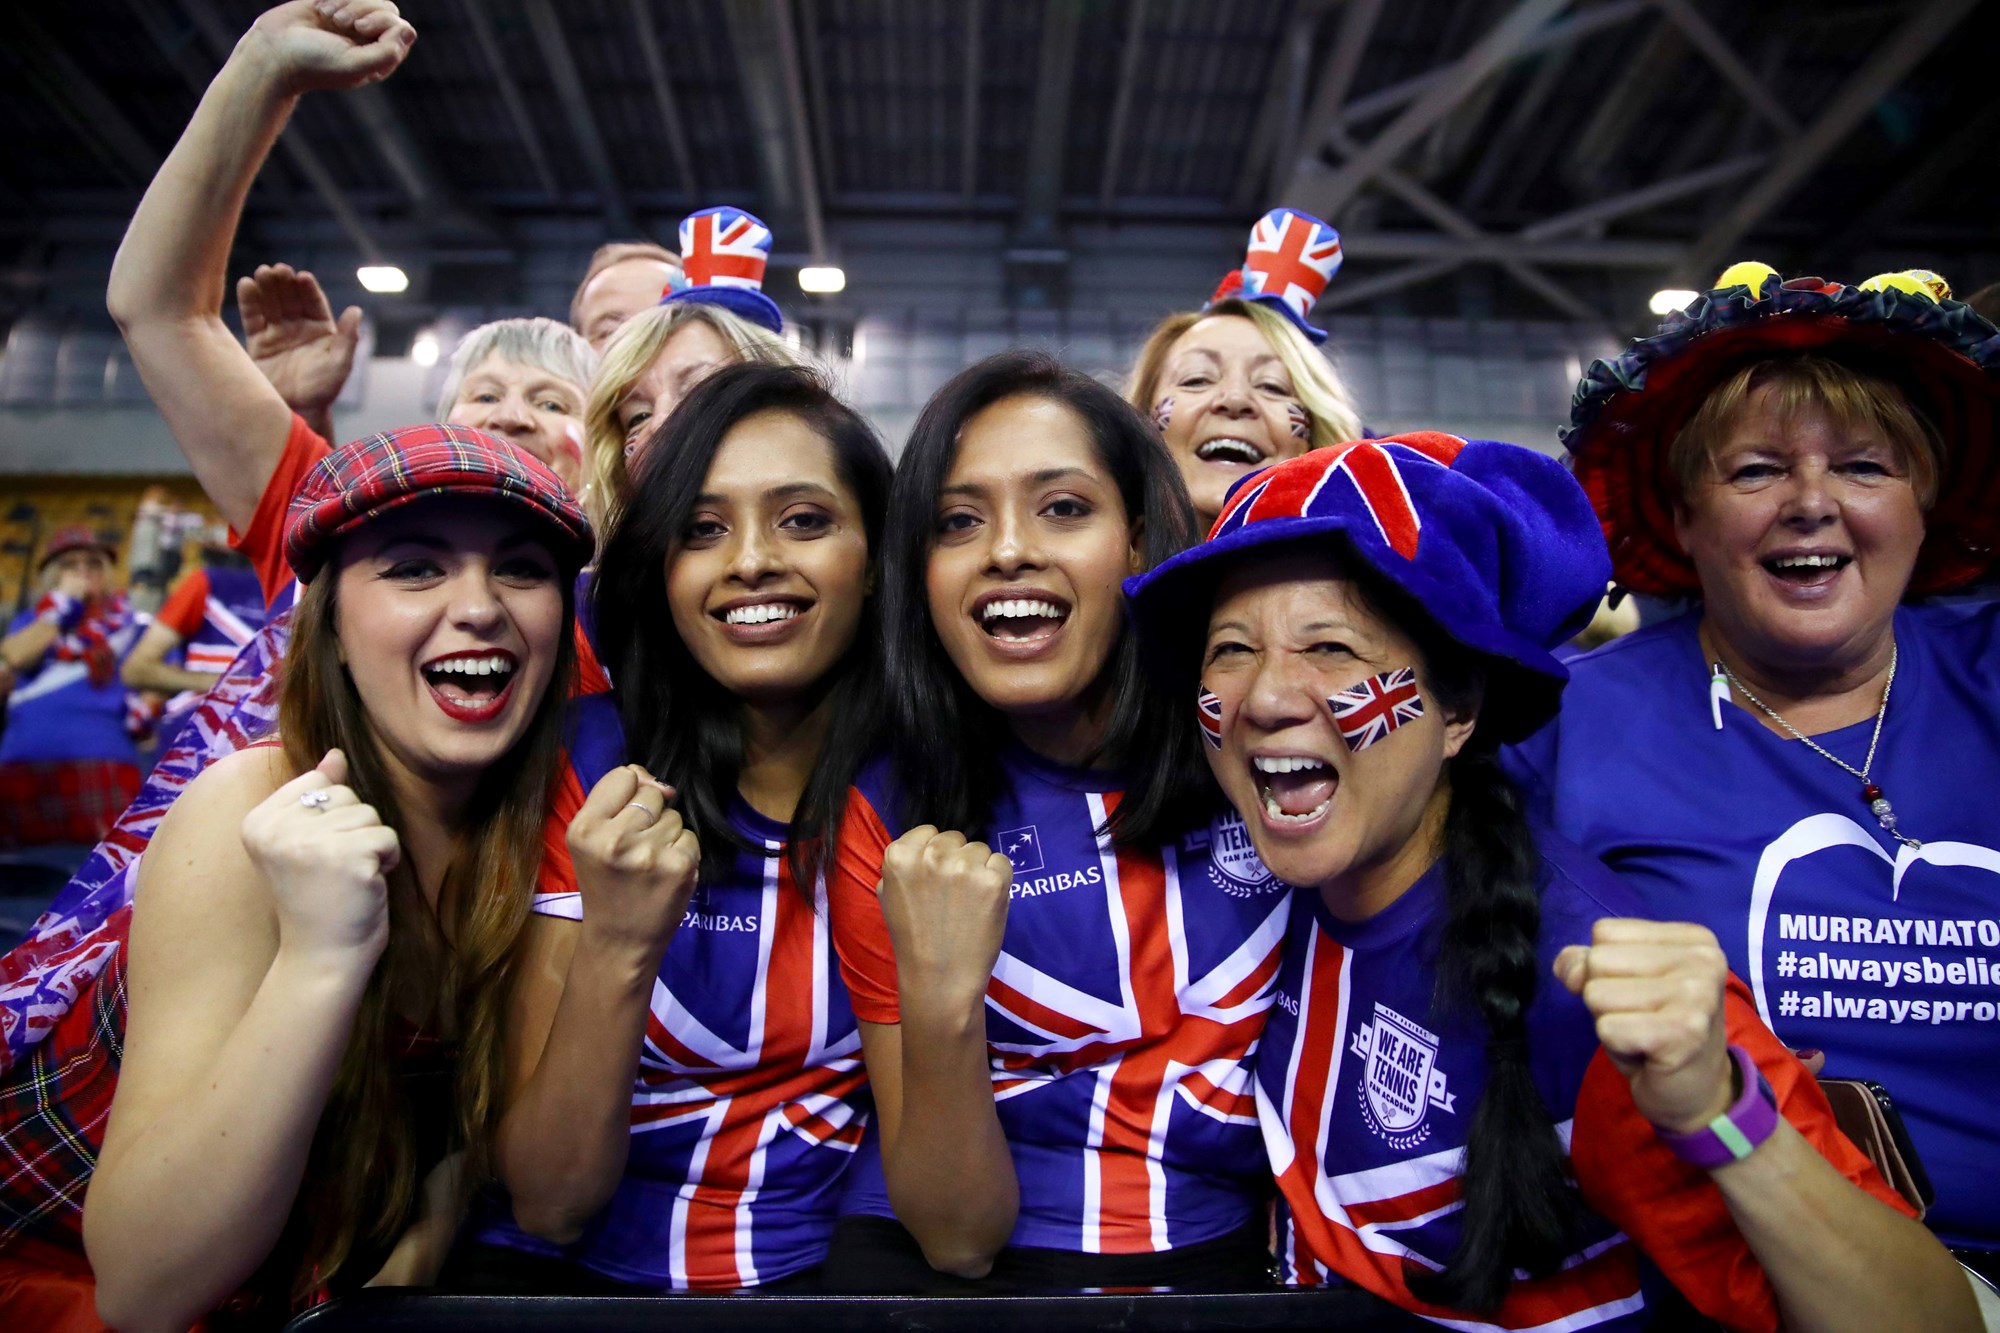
<point>412,1312</point>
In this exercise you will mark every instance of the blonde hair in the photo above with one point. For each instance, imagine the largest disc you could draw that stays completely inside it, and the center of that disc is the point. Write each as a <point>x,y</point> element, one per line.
<point>1851,398</point>
<point>629,355</point>
<point>1318,385</point>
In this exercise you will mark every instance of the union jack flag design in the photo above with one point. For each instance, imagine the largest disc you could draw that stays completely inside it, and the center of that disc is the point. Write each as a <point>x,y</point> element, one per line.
<point>42,978</point>
<point>1121,1019</point>
<point>1208,711</point>
<point>1292,257</point>
<point>1367,712</point>
<point>724,247</point>
<point>1329,482</point>
<point>751,1096</point>
<point>1365,1195</point>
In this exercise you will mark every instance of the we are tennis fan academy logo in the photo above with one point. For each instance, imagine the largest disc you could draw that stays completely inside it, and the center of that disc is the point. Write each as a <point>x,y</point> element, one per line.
<point>1233,862</point>
<point>1401,1081</point>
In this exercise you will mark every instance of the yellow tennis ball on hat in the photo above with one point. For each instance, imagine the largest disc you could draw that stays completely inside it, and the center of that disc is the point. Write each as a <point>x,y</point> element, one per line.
<point>1915,281</point>
<point>1746,273</point>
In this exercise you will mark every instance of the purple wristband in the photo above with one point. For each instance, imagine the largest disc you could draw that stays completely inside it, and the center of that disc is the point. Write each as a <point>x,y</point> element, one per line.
<point>1735,1134</point>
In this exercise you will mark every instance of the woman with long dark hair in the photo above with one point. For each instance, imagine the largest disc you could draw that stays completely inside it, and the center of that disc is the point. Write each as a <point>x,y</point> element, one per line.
<point>297,1111</point>
<point>1361,632</point>
<point>685,1087</point>
<point>1056,1003</point>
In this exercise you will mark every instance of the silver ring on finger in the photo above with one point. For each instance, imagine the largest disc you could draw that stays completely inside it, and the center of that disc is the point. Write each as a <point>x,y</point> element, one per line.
<point>641,805</point>
<point>317,801</point>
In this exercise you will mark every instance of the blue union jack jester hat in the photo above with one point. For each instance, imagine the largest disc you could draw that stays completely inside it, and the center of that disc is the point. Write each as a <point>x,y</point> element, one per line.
<point>1291,259</point>
<point>723,255</point>
<point>1901,327</point>
<point>1495,543</point>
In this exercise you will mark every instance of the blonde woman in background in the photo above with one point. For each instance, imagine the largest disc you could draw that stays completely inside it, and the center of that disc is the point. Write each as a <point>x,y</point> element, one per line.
<point>1241,383</point>
<point>714,314</point>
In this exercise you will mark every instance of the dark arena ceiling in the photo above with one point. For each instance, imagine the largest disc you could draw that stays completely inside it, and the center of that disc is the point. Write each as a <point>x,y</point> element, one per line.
<point>1526,158</point>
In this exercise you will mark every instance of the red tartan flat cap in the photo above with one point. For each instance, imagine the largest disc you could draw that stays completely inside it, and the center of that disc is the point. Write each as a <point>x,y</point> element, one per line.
<point>362,480</point>
<point>76,537</point>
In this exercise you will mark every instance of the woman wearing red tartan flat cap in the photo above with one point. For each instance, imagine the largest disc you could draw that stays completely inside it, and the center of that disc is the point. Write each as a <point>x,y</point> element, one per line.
<point>67,762</point>
<point>300,1111</point>
<point>1804,762</point>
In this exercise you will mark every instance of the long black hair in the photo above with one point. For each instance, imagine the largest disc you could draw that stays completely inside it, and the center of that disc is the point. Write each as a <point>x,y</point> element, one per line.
<point>679,722</point>
<point>1519,1209</point>
<point>944,737</point>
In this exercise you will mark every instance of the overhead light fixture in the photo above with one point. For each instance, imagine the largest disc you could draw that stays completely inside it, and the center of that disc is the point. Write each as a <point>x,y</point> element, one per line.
<point>1672,299</point>
<point>822,279</point>
<point>424,349</point>
<point>383,279</point>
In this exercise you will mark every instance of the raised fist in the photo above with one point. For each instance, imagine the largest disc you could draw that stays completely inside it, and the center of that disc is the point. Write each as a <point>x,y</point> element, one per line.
<point>327,857</point>
<point>944,901</point>
<point>308,45</point>
<point>635,862</point>
<point>1656,991</point>
<point>293,337</point>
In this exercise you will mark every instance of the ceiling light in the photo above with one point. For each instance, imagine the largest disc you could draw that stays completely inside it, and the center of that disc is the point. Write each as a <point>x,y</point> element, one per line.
<point>424,349</point>
<point>385,279</point>
<point>1672,299</point>
<point>822,279</point>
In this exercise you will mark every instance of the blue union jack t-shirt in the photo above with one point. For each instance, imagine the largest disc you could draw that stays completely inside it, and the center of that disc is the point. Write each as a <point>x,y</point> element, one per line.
<point>1884,956</point>
<point>1130,992</point>
<point>1366,1089</point>
<point>751,1097</point>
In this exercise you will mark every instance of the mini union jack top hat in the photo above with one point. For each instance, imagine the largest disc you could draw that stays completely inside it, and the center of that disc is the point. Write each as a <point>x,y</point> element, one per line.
<point>1902,327</point>
<point>1292,257</point>
<point>723,254</point>
<point>366,479</point>
<point>1496,543</point>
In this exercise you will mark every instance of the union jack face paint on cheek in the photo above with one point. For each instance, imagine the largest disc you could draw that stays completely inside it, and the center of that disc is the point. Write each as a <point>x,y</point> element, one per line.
<point>1163,413</point>
<point>1208,711</point>
<point>1367,712</point>
<point>1299,420</point>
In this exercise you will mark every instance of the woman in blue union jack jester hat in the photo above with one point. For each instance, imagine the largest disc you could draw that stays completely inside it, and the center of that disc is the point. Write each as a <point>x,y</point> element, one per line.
<point>1057,1004</point>
<point>1242,381</point>
<point>685,1088</point>
<point>1361,632</point>
<point>1805,761</point>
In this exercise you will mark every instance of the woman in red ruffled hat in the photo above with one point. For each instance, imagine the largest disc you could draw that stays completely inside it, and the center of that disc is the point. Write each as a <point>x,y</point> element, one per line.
<point>1804,762</point>
<point>1242,381</point>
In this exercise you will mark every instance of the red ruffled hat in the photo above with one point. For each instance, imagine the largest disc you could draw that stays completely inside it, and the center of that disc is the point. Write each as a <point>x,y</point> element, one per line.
<point>1903,327</point>
<point>365,479</point>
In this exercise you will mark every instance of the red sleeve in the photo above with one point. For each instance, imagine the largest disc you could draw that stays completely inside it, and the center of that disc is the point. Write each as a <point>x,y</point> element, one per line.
<point>860,935</point>
<point>264,541</point>
<point>186,606</point>
<point>590,677</point>
<point>558,872</point>
<point>1673,1211</point>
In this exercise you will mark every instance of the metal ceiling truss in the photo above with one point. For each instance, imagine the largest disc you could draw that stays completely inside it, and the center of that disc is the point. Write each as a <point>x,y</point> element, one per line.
<point>1330,169</point>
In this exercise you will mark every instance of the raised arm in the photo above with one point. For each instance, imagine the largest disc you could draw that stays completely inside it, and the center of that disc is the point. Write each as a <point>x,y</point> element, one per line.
<point>1837,1257</point>
<point>167,283</point>
<point>250,953</point>
<point>579,1012</point>
<point>944,1154</point>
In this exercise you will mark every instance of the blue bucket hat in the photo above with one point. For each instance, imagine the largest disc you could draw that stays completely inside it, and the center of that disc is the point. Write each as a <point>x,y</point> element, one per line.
<point>1497,544</point>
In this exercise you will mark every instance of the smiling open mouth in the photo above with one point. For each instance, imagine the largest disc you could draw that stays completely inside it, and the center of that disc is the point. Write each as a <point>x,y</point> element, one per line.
<point>1022,619</point>
<point>1229,450</point>
<point>1294,788</point>
<point>471,687</point>
<point>1807,570</point>
<point>761,615</point>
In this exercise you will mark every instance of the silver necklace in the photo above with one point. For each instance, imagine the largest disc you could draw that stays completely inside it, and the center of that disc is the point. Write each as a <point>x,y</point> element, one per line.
<point>1878,804</point>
